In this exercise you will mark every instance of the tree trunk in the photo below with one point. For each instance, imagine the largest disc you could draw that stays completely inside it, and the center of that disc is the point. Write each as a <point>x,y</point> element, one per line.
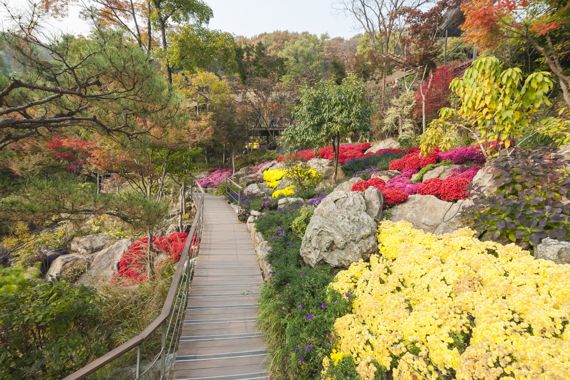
<point>182,210</point>
<point>336,148</point>
<point>150,259</point>
<point>98,184</point>
<point>233,160</point>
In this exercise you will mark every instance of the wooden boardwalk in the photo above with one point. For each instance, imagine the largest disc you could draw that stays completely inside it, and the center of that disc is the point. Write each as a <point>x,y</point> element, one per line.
<point>220,339</point>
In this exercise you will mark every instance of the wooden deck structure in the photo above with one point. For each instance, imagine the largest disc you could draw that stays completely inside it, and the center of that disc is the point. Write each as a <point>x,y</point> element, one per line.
<point>220,339</point>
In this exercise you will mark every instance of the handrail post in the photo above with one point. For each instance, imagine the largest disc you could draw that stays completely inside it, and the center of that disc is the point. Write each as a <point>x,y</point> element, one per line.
<point>163,352</point>
<point>138,370</point>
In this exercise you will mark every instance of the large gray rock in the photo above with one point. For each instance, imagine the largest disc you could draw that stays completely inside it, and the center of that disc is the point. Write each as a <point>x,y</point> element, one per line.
<point>322,165</point>
<point>86,245</point>
<point>487,180</point>
<point>266,166</point>
<point>554,250</point>
<point>284,183</point>
<point>384,144</point>
<point>374,202</point>
<point>104,264</point>
<point>67,267</point>
<point>341,231</point>
<point>440,172</point>
<point>289,201</point>
<point>251,178</point>
<point>430,213</point>
<point>253,189</point>
<point>386,175</point>
<point>347,185</point>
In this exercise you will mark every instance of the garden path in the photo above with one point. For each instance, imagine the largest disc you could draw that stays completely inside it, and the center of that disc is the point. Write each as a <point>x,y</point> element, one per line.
<point>220,339</point>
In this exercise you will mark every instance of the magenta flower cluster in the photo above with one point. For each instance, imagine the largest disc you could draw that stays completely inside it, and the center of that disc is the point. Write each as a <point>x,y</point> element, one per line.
<point>404,183</point>
<point>462,155</point>
<point>215,178</point>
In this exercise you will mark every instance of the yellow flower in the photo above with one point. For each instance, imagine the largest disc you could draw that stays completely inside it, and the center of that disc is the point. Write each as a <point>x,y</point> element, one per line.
<point>437,306</point>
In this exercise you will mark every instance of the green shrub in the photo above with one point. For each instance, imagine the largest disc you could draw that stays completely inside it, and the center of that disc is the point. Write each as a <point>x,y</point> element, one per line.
<point>47,330</point>
<point>381,161</point>
<point>297,311</point>
<point>528,205</point>
<point>300,223</point>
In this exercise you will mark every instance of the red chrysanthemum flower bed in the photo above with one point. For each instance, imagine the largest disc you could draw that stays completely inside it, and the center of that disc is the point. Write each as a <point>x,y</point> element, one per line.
<point>133,263</point>
<point>391,196</point>
<point>301,155</point>
<point>414,161</point>
<point>449,189</point>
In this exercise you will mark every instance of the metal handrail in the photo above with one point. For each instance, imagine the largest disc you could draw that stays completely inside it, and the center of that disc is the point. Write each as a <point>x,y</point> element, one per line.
<point>231,195</point>
<point>182,275</point>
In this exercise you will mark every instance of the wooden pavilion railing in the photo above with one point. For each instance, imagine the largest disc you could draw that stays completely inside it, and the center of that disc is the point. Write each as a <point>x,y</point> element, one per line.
<point>121,363</point>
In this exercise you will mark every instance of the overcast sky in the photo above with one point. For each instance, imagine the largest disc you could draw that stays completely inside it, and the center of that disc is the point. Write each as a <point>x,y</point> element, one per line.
<point>244,17</point>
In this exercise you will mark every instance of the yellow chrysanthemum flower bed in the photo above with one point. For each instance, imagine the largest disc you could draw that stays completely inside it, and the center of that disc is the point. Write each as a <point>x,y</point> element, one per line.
<point>286,192</point>
<point>273,176</point>
<point>453,306</point>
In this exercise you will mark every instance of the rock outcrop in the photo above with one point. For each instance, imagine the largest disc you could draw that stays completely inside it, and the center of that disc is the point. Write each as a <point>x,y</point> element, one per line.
<point>87,245</point>
<point>346,186</point>
<point>104,264</point>
<point>440,172</point>
<point>341,230</point>
<point>554,250</point>
<point>384,144</point>
<point>67,267</point>
<point>430,213</point>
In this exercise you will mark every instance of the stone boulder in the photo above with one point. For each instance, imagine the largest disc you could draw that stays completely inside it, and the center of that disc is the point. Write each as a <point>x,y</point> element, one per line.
<point>289,201</point>
<point>284,183</point>
<point>253,190</point>
<point>347,185</point>
<point>86,245</point>
<point>430,214</point>
<point>384,144</point>
<point>554,250</point>
<point>374,202</point>
<point>68,267</point>
<point>440,172</point>
<point>386,175</point>
<point>251,178</point>
<point>487,180</point>
<point>105,263</point>
<point>322,165</point>
<point>340,232</point>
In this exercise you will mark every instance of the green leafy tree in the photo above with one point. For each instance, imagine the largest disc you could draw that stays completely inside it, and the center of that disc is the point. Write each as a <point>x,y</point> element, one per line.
<point>194,47</point>
<point>329,113</point>
<point>304,59</point>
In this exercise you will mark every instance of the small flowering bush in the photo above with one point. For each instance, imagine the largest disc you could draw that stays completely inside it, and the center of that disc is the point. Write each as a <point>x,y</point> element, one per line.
<point>414,161</point>
<point>452,306</point>
<point>452,188</point>
<point>391,196</point>
<point>301,155</point>
<point>403,182</point>
<point>303,177</point>
<point>133,262</point>
<point>273,176</point>
<point>463,154</point>
<point>379,161</point>
<point>215,178</point>
<point>286,192</point>
<point>346,152</point>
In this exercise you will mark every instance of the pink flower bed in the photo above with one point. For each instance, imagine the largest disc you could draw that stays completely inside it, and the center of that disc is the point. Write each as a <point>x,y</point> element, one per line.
<point>347,152</point>
<point>215,178</point>
<point>463,154</point>
<point>404,183</point>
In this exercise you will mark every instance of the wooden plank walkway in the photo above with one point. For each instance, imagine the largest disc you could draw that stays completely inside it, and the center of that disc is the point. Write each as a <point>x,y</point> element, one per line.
<point>220,339</point>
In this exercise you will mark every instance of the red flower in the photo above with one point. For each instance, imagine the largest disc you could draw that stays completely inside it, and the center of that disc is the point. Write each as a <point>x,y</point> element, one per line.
<point>391,196</point>
<point>449,189</point>
<point>132,265</point>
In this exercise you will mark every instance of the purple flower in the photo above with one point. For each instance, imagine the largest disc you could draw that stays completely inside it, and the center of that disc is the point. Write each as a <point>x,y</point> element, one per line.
<point>310,317</point>
<point>463,154</point>
<point>316,200</point>
<point>324,306</point>
<point>299,307</point>
<point>309,348</point>
<point>347,294</point>
<point>302,358</point>
<point>296,349</point>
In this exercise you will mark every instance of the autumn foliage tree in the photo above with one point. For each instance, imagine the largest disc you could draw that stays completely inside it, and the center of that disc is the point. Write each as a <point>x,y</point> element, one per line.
<point>543,24</point>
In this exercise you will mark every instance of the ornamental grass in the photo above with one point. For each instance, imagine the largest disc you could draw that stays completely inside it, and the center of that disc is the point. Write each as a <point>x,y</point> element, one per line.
<point>451,306</point>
